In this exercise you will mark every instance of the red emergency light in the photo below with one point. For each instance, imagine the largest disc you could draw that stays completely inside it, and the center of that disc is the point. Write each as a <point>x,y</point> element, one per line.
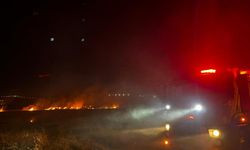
<point>242,119</point>
<point>208,71</point>
<point>243,72</point>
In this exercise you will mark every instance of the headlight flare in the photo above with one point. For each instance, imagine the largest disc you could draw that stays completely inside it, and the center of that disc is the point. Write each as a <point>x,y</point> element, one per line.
<point>198,107</point>
<point>168,107</point>
<point>167,127</point>
<point>214,133</point>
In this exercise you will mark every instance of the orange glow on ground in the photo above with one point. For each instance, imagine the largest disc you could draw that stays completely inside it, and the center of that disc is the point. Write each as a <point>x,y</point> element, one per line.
<point>166,142</point>
<point>1,110</point>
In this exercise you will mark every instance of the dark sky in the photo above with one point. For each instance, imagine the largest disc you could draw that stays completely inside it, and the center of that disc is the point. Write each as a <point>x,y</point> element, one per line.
<point>126,44</point>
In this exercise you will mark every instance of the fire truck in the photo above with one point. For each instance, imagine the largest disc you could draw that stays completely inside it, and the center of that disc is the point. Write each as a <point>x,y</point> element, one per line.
<point>224,115</point>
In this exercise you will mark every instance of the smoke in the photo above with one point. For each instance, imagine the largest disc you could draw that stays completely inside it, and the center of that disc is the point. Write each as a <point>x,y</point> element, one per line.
<point>177,114</point>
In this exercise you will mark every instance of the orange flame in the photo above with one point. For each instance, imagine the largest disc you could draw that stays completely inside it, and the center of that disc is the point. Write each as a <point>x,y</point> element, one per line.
<point>30,108</point>
<point>45,104</point>
<point>66,104</point>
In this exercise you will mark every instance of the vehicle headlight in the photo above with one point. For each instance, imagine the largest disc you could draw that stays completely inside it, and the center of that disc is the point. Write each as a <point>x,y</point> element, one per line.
<point>167,126</point>
<point>214,133</point>
<point>168,107</point>
<point>198,107</point>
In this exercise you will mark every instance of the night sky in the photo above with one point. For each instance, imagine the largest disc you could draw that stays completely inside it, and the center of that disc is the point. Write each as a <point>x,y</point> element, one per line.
<point>61,47</point>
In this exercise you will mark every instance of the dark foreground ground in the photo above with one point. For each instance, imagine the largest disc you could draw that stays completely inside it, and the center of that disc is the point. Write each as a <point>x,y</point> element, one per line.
<point>90,130</point>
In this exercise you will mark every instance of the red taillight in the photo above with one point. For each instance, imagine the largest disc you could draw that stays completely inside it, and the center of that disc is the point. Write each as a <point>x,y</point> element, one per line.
<point>242,119</point>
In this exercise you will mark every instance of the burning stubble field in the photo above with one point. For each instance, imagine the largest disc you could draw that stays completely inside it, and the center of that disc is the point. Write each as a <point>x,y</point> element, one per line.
<point>86,130</point>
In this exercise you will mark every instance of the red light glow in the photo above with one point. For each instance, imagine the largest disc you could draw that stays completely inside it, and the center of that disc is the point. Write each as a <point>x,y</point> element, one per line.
<point>242,119</point>
<point>208,71</point>
<point>243,72</point>
<point>190,117</point>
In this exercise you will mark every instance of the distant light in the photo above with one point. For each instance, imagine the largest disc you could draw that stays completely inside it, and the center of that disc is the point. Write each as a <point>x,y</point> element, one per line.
<point>52,39</point>
<point>32,120</point>
<point>168,107</point>
<point>208,71</point>
<point>83,19</point>
<point>35,13</point>
<point>82,39</point>
<point>198,107</point>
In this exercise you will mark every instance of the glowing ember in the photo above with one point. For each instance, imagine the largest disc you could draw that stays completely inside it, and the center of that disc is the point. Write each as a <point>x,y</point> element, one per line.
<point>64,108</point>
<point>115,107</point>
<point>32,109</point>
<point>2,109</point>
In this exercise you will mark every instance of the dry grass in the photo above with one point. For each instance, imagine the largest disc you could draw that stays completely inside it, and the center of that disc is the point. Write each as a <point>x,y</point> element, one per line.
<point>40,140</point>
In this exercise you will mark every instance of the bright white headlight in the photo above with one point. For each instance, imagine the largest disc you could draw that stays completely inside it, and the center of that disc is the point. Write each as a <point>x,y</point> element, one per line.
<point>198,107</point>
<point>167,126</point>
<point>168,107</point>
<point>214,133</point>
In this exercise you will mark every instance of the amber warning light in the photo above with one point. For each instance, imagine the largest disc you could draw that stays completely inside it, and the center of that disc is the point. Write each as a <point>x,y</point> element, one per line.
<point>208,71</point>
